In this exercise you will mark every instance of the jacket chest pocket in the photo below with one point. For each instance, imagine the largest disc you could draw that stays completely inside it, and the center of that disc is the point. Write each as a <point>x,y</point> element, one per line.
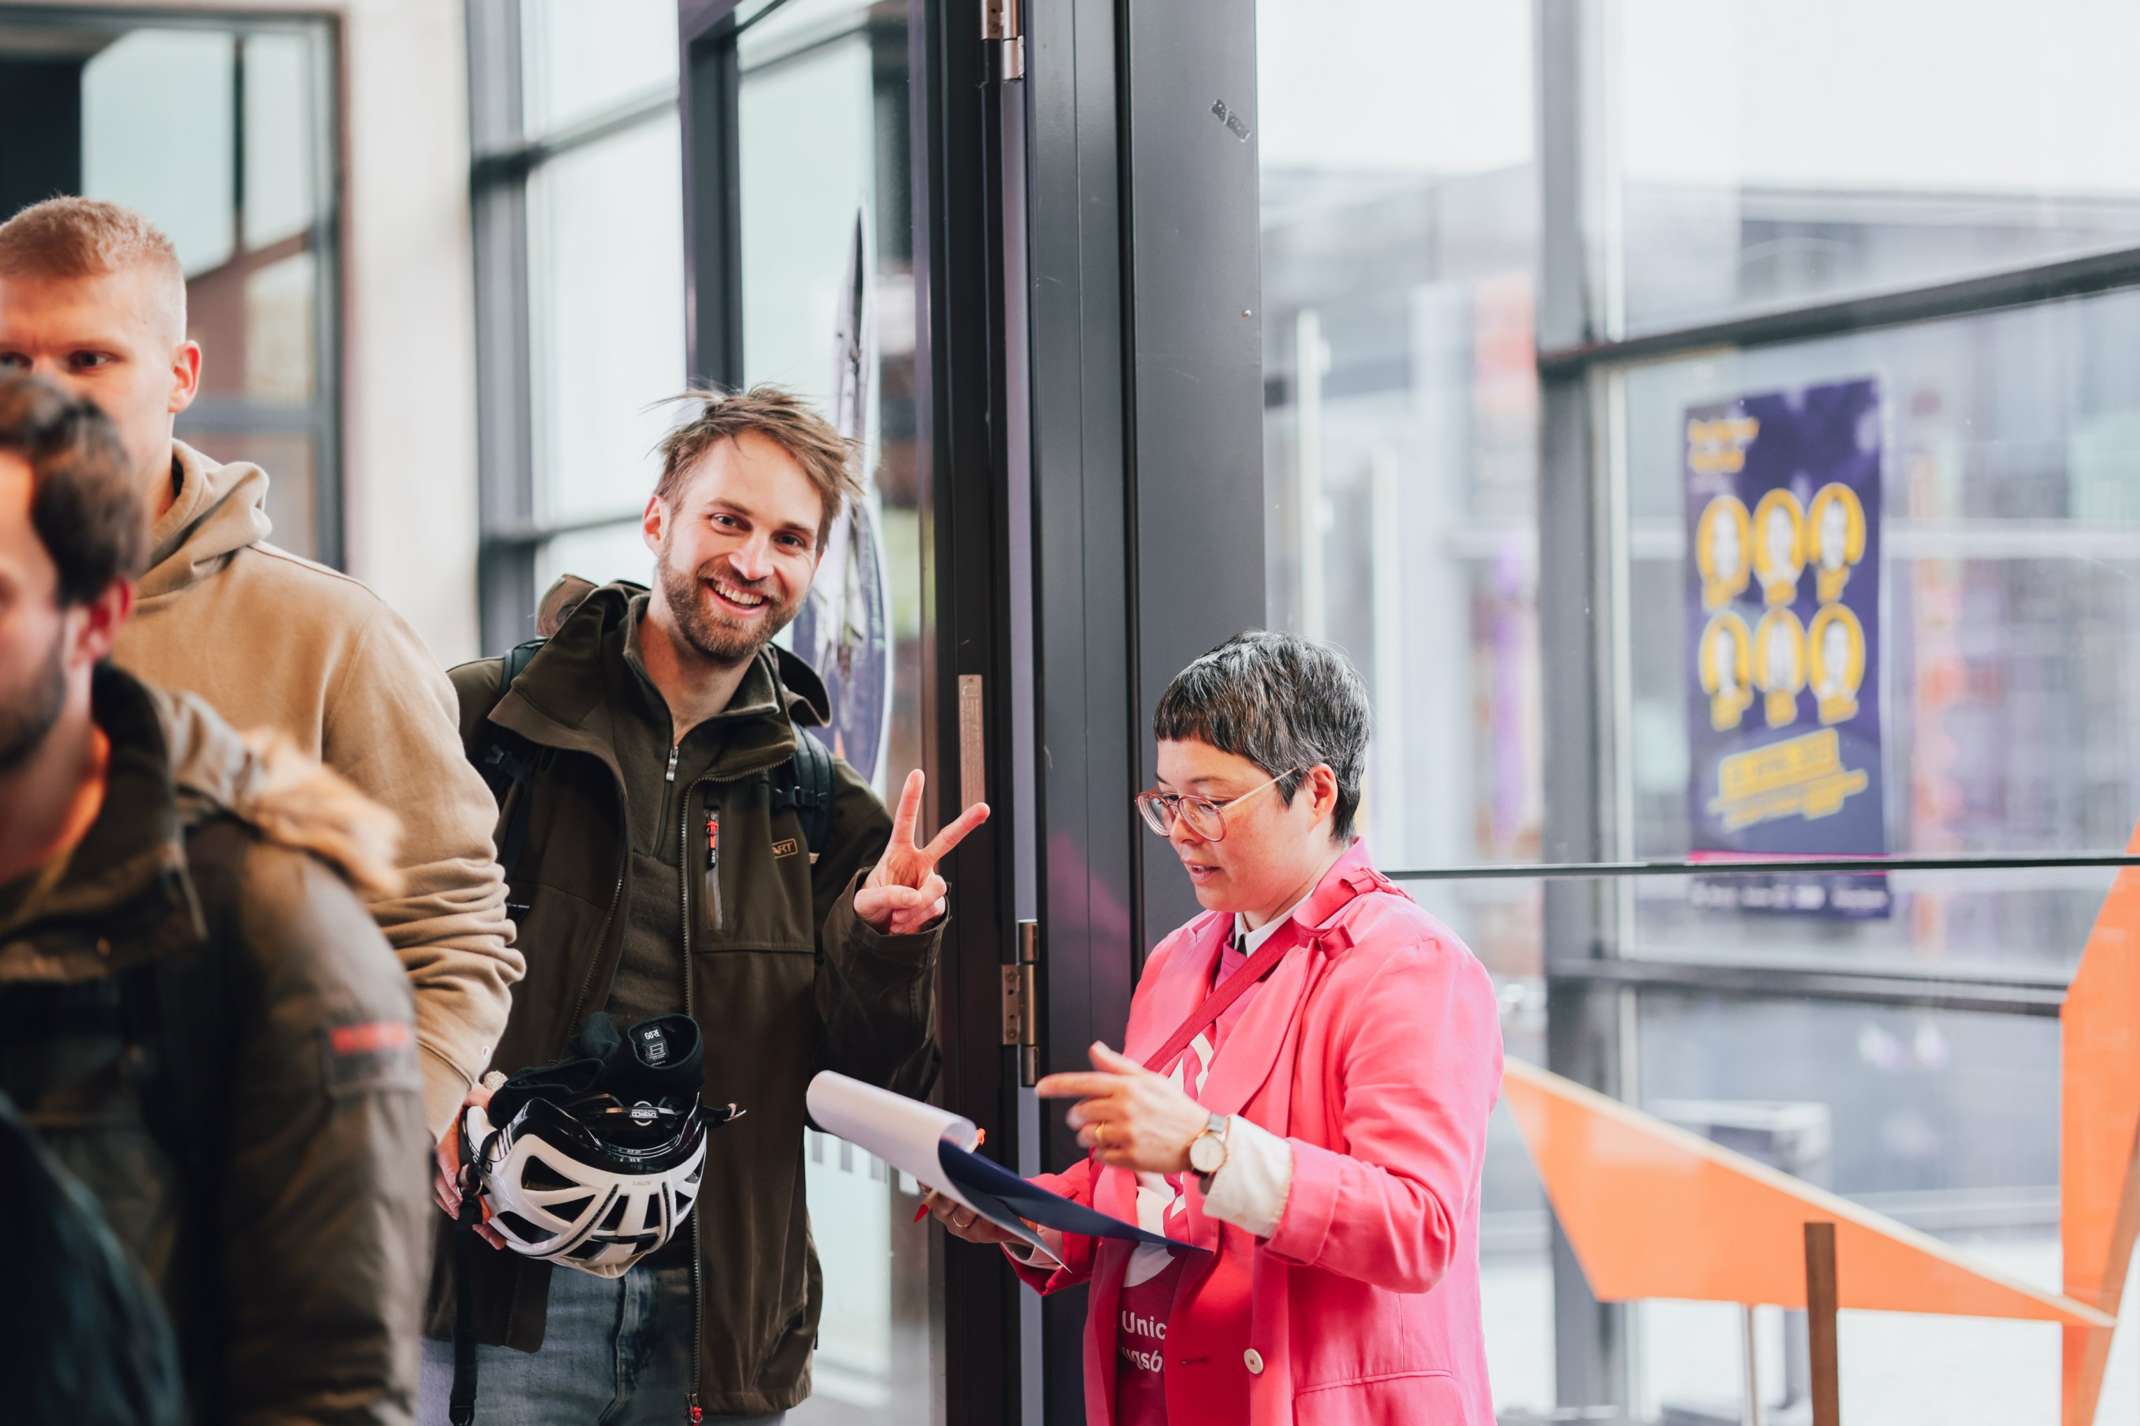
<point>561,832</point>
<point>750,873</point>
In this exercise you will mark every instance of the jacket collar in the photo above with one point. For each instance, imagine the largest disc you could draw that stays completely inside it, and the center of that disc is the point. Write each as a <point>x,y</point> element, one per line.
<point>1251,1048</point>
<point>129,871</point>
<point>1262,1039</point>
<point>556,701</point>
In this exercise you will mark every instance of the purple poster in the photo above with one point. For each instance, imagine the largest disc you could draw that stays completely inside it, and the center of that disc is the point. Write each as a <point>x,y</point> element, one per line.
<point>1783,631</point>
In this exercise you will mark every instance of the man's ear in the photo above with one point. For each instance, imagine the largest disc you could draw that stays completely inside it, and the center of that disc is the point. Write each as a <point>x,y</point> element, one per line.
<point>185,375</point>
<point>98,628</point>
<point>654,523</point>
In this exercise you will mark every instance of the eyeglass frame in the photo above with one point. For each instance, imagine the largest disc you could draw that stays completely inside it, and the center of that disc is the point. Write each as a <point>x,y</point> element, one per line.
<point>1147,801</point>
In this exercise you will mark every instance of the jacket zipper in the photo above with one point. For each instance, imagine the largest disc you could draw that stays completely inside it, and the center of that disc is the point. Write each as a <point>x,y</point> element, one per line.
<point>694,1412</point>
<point>669,780</point>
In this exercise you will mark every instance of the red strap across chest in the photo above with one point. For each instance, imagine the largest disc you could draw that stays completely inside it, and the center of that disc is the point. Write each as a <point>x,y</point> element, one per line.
<point>1331,898</point>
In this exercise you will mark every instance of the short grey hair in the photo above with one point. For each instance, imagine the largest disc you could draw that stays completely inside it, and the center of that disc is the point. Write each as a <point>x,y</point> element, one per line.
<point>1283,702</point>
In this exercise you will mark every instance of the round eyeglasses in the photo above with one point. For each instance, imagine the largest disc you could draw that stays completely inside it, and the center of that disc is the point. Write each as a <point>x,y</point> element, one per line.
<point>1205,816</point>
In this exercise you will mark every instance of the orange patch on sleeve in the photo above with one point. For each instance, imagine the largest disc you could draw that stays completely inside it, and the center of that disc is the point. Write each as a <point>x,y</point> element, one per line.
<point>369,1037</point>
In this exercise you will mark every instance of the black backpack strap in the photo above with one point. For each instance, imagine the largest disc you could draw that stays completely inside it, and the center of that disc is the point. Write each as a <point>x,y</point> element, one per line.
<point>461,1399</point>
<point>508,762</point>
<point>805,783</point>
<point>517,659</point>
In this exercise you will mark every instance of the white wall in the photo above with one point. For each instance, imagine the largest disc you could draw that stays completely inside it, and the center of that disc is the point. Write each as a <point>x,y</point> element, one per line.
<point>409,344</point>
<point>408,348</point>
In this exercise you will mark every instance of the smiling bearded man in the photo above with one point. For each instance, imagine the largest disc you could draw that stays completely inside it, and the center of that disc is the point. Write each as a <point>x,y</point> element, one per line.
<point>663,873</point>
<point>724,610</point>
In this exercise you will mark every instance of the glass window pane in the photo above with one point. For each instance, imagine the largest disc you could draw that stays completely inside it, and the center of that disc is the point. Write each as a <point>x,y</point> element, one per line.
<point>1773,152</point>
<point>580,59</point>
<point>606,264</point>
<point>140,94</point>
<point>281,301</point>
<point>224,140</point>
<point>281,173</point>
<point>798,237</point>
<point>2004,923</point>
<point>1399,234</point>
<point>1995,616</point>
<point>1920,1105</point>
<point>829,311</point>
<point>792,27</point>
<point>601,554</point>
<point>2009,580</point>
<point>1944,1120</point>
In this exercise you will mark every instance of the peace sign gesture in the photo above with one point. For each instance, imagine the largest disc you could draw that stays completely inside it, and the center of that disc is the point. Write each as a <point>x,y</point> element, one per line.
<point>904,893</point>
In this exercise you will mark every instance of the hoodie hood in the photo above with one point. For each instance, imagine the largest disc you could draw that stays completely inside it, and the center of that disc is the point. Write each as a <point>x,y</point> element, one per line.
<point>262,778</point>
<point>175,763</point>
<point>218,510</point>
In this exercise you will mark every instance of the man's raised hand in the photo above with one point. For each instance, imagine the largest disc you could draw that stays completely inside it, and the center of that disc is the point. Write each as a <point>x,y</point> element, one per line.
<point>904,894</point>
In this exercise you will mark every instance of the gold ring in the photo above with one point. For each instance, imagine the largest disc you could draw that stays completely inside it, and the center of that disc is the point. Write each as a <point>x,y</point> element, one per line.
<point>1099,1135</point>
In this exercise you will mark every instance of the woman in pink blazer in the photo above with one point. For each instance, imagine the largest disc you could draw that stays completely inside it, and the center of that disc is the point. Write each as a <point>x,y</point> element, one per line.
<point>1307,1074</point>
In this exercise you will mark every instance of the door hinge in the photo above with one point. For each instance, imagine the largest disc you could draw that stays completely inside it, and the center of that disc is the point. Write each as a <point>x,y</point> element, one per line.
<point>1003,30</point>
<point>1021,1004</point>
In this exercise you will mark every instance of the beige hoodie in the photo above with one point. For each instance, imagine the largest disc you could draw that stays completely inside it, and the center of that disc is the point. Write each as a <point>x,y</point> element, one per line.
<point>273,641</point>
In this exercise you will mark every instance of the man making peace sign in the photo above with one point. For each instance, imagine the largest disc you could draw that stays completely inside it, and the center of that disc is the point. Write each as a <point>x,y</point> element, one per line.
<point>657,863</point>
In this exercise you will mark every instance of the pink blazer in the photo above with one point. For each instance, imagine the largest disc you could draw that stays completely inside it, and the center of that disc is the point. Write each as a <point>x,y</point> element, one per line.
<point>1375,1049</point>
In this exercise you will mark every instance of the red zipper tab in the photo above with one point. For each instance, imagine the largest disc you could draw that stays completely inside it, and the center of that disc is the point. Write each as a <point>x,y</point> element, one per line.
<point>713,871</point>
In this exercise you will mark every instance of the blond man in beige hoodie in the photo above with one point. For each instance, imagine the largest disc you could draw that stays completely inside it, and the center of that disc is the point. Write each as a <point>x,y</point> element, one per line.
<point>91,295</point>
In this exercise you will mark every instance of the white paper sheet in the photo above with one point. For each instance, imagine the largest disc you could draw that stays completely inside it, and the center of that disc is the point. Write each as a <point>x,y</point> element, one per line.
<point>938,1148</point>
<point>903,1132</point>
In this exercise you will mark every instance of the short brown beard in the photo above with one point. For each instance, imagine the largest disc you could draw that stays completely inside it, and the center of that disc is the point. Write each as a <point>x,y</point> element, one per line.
<point>27,718</point>
<point>704,631</point>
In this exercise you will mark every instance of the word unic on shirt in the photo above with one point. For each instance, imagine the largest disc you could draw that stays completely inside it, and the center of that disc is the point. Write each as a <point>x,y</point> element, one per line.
<point>1142,1341</point>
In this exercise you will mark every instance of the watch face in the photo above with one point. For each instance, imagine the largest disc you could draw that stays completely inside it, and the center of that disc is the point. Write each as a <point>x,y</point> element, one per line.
<point>1206,1153</point>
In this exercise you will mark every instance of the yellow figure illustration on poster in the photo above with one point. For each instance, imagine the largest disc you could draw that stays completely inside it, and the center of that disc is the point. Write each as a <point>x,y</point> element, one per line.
<point>1779,545</point>
<point>1780,664</point>
<point>1727,669</point>
<point>1835,524</point>
<point>1835,645</point>
<point>1720,540</point>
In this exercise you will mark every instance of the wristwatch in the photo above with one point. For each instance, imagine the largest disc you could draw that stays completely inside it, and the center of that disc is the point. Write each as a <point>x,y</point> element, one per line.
<point>1207,1151</point>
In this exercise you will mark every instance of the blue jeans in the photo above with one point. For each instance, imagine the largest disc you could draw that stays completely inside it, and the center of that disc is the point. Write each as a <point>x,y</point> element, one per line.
<point>615,1352</point>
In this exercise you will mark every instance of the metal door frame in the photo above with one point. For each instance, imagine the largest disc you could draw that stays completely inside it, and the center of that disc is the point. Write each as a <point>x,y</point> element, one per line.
<point>1141,333</point>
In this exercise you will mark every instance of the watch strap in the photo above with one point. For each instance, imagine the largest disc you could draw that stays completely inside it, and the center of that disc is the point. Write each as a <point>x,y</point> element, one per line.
<point>1215,1127</point>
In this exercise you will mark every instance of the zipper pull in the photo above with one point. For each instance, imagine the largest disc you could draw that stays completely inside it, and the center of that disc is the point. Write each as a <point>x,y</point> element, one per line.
<point>698,1413</point>
<point>672,764</point>
<point>713,867</point>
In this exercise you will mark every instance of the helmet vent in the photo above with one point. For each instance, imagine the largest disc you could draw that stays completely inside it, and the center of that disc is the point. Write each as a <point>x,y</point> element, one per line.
<point>519,1227</point>
<point>537,1174</point>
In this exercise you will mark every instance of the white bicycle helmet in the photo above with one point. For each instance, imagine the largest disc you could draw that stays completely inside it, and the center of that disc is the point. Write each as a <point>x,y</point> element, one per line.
<point>599,1159</point>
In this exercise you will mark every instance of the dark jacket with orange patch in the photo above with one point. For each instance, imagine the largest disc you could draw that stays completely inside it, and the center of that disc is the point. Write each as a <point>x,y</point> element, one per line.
<point>204,1025</point>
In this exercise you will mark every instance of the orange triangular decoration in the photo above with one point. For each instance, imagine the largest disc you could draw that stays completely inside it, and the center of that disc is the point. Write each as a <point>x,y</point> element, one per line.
<point>1654,1211</point>
<point>2098,1177</point>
